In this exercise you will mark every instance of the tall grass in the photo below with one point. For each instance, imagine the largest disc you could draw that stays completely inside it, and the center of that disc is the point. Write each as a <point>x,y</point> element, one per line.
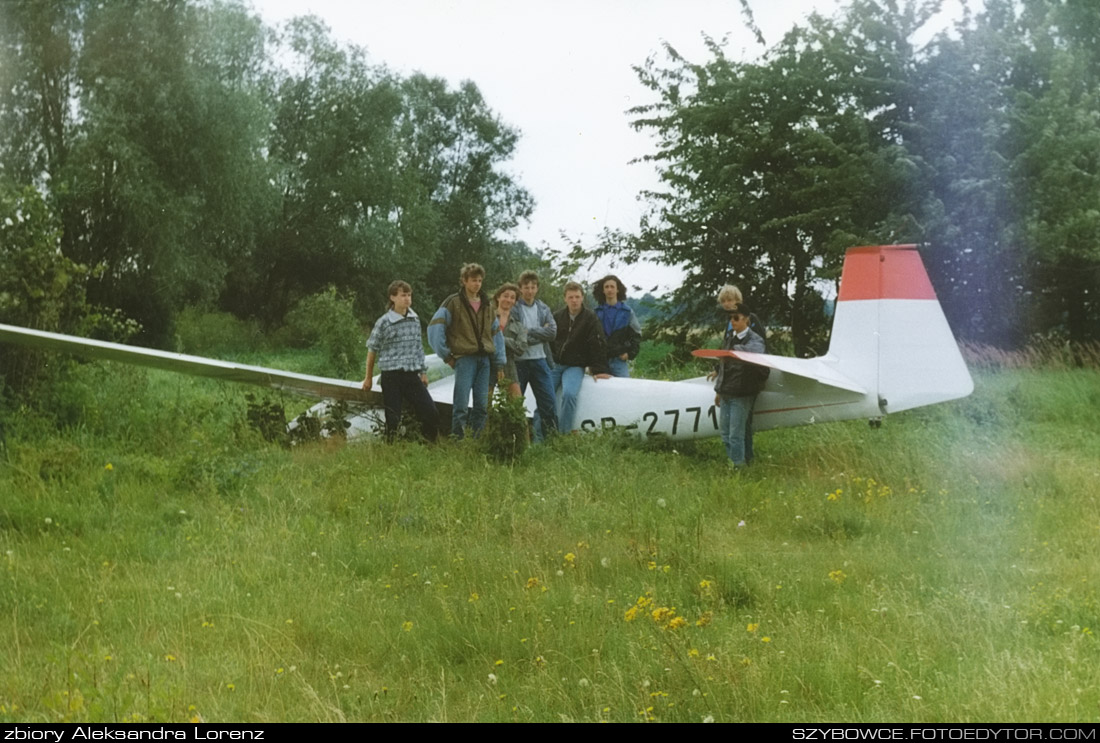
<point>162,563</point>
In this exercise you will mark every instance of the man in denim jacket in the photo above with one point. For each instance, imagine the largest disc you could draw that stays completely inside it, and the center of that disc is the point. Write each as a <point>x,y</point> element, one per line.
<point>533,366</point>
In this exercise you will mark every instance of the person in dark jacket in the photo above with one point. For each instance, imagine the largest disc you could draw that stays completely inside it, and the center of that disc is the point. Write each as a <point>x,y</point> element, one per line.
<point>578,344</point>
<point>621,331</point>
<point>736,387</point>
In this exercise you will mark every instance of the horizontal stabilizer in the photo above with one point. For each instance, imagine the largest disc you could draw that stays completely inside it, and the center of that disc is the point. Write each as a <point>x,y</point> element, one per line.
<point>302,384</point>
<point>814,369</point>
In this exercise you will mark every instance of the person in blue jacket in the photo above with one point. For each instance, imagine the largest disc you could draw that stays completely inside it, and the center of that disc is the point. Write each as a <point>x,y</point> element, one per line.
<point>533,366</point>
<point>621,331</point>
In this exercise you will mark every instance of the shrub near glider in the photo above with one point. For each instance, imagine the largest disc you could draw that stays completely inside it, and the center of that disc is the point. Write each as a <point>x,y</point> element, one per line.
<point>891,350</point>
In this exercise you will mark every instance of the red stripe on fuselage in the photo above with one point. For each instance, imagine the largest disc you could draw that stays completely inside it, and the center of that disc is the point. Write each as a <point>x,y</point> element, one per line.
<point>884,272</point>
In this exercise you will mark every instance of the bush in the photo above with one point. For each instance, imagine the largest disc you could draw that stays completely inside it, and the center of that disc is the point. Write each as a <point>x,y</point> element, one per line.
<point>327,320</point>
<point>505,437</point>
<point>39,287</point>
<point>209,333</point>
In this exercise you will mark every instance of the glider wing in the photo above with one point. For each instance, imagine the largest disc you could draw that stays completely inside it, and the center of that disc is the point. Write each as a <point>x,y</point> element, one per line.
<point>302,384</point>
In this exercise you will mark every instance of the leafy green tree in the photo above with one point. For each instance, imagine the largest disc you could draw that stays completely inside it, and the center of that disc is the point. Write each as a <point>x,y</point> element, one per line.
<point>1055,167</point>
<point>454,144</point>
<point>962,111</point>
<point>165,183</point>
<point>982,146</point>
<point>1006,125</point>
<point>333,156</point>
<point>38,49</point>
<point>378,177</point>
<point>772,169</point>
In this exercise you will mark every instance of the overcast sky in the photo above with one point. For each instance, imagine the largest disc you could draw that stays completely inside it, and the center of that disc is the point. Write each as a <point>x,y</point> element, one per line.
<point>561,72</point>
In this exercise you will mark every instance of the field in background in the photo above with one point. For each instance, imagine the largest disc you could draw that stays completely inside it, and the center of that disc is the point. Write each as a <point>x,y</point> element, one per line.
<point>161,562</point>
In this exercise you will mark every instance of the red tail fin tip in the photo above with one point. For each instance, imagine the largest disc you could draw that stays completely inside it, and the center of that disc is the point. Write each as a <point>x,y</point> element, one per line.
<point>884,272</point>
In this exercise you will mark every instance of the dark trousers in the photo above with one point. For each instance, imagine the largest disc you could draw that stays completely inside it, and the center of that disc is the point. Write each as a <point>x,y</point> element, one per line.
<point>400,385</point>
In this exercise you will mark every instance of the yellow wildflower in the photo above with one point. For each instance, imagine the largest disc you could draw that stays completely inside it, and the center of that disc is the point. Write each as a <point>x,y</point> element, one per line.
<point>752,626</point>
<point>662,614</point>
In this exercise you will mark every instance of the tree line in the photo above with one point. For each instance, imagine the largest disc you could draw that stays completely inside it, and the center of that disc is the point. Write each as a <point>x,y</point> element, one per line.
<point>156,156</point>
<point>981,145</point>
<point>159,156</point>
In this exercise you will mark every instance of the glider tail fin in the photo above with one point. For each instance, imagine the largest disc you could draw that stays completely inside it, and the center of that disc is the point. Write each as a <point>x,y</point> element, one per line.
<point>890,333</point>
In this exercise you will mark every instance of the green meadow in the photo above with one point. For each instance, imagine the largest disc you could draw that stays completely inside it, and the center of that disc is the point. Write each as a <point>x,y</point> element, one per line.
<point>162,562</point>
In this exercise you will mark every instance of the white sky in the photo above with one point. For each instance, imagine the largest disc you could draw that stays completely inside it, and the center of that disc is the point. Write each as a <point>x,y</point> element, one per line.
<point>560,72</point>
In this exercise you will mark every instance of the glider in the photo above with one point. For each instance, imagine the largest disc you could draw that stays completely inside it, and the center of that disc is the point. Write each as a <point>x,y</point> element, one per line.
<point>891,350</point>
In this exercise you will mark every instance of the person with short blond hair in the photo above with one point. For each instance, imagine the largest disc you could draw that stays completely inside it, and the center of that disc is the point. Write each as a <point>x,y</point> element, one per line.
<point>729,296</point>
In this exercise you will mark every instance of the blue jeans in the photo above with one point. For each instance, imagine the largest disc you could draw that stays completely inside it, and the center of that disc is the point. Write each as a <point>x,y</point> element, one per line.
<point>735,425</point>
<point>569,379</point>
<point>471,373</point>
<point>618,367</point>
<point>536,372</point>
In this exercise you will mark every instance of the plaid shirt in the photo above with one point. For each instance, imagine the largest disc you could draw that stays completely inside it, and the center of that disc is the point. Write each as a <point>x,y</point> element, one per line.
<point>396,341</point>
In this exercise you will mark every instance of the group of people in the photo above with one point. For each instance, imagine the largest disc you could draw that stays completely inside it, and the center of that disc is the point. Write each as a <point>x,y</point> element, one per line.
<point>513,338</point>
